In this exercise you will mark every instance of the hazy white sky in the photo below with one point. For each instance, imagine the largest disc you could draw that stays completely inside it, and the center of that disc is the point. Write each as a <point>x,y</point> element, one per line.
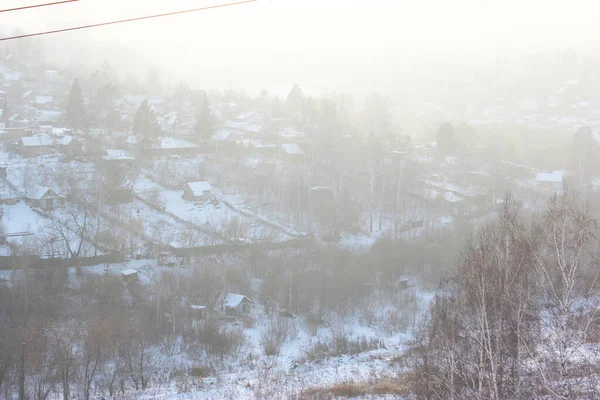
<point>318,43</point>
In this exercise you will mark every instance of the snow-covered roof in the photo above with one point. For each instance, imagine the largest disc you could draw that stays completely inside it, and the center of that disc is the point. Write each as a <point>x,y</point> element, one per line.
<point>171,118</point>
<point>452,198</point>
<point>255,128</point>
<point>9,74</point>
<point>44,99</point>
<point>34,141</point>
<point>195,307</point>
<point>233,300</point>
<point>50,115</point>
<point>64,141</point>
<point>291,133</point>
<point>554,176</point>
<point>41,192</point>
<point>58,131</point>
<point>261,145</point>
<point>173,143</point>
<point>115,155</point>
<point>8,192</point>
<point>247,115</point>
<point>131,139</point>
<point>292,148</point>
<point>129,272</point>
<point>199,188</point>
<point>26,94</point>
<point>221,136</point>
<point>236,125</point>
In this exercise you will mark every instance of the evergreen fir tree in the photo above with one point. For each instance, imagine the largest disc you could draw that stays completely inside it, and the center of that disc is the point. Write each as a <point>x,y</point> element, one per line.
<point>295,99</point>
<point>205,122</point>
<point>76,115</point>
<point>145,126</point>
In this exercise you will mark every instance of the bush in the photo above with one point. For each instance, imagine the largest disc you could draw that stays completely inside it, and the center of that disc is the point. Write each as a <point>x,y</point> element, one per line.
<point>217,340</point>
<point>275,334</point>
<point>341,344</point>
<point>200,371</point>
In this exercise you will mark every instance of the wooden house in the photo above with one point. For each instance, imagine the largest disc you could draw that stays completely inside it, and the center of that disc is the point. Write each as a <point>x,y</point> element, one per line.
<point>292,153</point>
<point>129,275</point>
<point>44,198</point>
<point>197,191</point>
<point>236,304</point>
<point>29,146</point>
<point>70,146</point>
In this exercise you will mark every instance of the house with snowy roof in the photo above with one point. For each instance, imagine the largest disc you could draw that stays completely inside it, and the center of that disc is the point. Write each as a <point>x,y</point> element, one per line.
<point>197,191</point>
<point>70,146</point>
<point>117,156</point>
<point>550,180</point>
<point>129,275</point>
<point>172,146</point>
<point>44,198</point>
<point>169,121</point>
<point>16,121</point>
<point>197,311</point>
<point>44,100</point>
<point>8,193</point>
<point>236,304</point>
<point>29,146</point>
<point>224,141</point>
<point>291,152</point>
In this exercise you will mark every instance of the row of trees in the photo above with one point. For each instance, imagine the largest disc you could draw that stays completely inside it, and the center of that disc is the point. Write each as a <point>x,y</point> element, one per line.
<point>515,320</point>
<point>97,335</point>
<point>86,335</point>
<point>145,126</point>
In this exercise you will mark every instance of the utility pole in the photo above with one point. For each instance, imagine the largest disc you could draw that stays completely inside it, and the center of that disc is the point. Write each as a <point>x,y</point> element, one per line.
<point>22,374</point>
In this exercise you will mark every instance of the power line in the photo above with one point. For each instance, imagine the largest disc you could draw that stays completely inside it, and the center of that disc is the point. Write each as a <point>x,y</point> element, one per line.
<point>126,20</point>
<point>38,5</point>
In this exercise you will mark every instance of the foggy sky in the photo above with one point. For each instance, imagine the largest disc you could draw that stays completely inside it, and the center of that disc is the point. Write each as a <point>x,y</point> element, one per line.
<point>321,44</point>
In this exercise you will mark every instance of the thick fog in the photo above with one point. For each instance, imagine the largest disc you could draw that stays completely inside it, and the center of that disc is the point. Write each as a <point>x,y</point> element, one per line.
<point>300,200</point>
<point>323,45</point>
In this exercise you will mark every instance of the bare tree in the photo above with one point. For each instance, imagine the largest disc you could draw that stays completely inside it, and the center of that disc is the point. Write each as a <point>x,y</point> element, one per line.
<point>564,236</point>
<point>65,344</point>
<point>138,352</point>
<point>96,350</point>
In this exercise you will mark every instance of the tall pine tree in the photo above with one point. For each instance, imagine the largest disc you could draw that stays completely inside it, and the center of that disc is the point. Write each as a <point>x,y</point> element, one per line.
<point>76,115</point>
<point>295,99</point>
<point>205,122</point>
<point>145,126</point>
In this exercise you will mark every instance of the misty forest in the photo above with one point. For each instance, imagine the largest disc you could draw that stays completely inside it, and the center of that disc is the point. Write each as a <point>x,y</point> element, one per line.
<point>249,228</point>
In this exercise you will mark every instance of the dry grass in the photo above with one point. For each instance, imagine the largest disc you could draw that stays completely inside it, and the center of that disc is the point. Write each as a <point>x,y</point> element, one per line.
<point>200,371</point>
<point>390,387</point>
<point>348,390</point>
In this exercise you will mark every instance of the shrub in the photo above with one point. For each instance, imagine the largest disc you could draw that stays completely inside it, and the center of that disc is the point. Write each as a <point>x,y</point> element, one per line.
<point>217,340</point>
<point>200,371</point>
<point>341,344</point>
<point>275,334</point>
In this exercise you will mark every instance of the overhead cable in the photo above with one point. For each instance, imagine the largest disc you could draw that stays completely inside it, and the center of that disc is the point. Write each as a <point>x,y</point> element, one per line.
<point>74,28</point>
